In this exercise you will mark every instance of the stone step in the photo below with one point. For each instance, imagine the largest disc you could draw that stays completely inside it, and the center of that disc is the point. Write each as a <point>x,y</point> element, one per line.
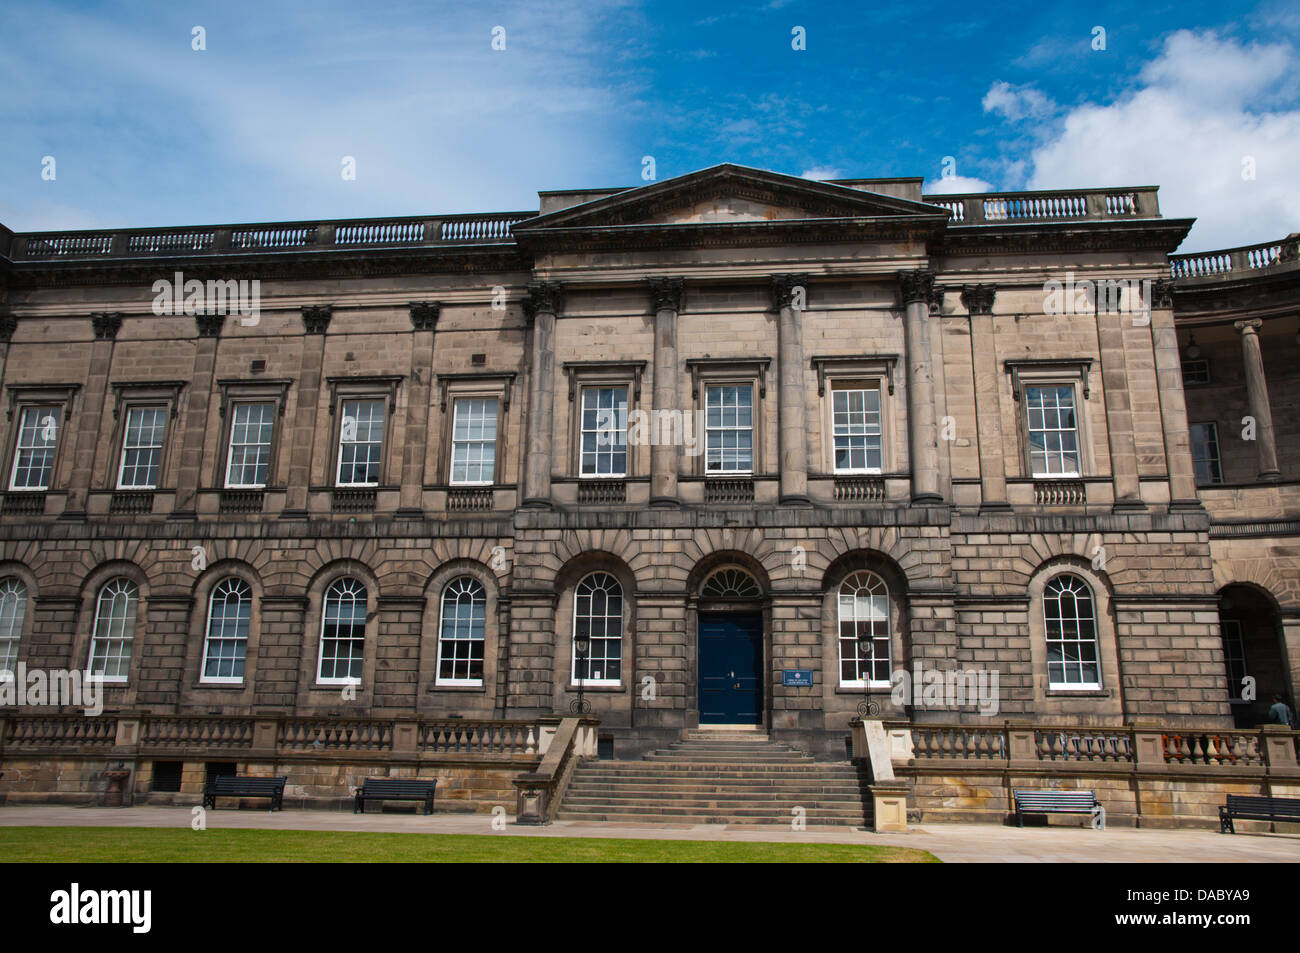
<point>649,787</point>
<point>710,734</point>
<point>812,818</point>
<point>642,802</point>
<point>707,773</point>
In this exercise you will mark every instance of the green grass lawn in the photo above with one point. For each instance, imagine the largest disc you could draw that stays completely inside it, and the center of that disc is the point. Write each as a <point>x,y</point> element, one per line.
<point>171,845</point>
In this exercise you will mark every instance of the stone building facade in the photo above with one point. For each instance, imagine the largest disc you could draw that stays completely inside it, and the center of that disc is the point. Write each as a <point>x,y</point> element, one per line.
<point>733,447</point>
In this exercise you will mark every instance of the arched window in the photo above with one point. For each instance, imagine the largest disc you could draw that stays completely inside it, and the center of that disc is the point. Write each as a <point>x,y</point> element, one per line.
<point>864,630</point>
<point>229,608</point>
<point>598,626</point>
<point>1071,624</point>
<point>13,608</point>
<point>460,632</point>
<point>342,632</point>
<point>110,645</point>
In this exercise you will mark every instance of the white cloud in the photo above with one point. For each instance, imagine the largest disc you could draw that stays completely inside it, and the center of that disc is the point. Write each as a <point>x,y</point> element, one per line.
<point>955,185</point>
<point>821,173</point>
<point>1203,111</point>
<point>1015,103</point>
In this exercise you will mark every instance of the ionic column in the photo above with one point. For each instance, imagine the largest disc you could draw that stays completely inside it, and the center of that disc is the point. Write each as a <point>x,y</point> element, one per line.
<point>666,302</point>
<point>789,297</point>
<point>189,474</point>
<point>424,318</point>
<point>978,300</point>
<point>1173,406</point>
<point>315,321</point>
<point>1257,394</point>
<point>545,300</point>
<point>105,325</point>
<point>923,444</point>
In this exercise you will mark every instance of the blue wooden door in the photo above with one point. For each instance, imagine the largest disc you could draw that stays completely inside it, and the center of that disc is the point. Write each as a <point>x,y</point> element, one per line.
<point>731,668</point>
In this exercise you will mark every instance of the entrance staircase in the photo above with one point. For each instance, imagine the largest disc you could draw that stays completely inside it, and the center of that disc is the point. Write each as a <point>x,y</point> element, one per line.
<point>719,777</point>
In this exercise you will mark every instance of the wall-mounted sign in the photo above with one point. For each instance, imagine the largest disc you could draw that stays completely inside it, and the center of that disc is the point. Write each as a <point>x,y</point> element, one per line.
<point>797,677</point>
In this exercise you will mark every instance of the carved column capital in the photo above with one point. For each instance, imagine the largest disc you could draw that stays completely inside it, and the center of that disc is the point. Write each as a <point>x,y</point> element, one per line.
<point>425,314</point>
<point>106,324</point>
<point>210,325</point>
<point>316,317</point>
<point>978,299</point>
<point>666,293</point>
<point>1162,293</point>
<point>917,285</point>
<point>789,291</point>
<point>1248,326</point>
<point>545,296</point>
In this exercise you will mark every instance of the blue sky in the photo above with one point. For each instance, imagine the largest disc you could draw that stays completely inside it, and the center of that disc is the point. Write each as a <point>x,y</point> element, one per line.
<point>144,130</point>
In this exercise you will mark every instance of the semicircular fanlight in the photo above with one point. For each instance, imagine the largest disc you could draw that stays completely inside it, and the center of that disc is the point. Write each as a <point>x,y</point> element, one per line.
<point>731,584</point>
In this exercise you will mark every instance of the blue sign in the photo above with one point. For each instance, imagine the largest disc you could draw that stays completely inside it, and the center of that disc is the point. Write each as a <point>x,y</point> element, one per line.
<point>797,677</point>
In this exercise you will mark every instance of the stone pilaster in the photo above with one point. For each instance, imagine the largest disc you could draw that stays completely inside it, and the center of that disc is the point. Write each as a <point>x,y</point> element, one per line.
<point>1257,394</point>
<point>545,300</point>
<point>315,321</point>
<point>1119,410</point>
<point>978,300</point>
<point>1173,405</point>
<point>789,298</point>
<point>105,325</point>
<point>195,425</point>
<point>666,302</point>
<point>923,445</point>
<point>424,319</point>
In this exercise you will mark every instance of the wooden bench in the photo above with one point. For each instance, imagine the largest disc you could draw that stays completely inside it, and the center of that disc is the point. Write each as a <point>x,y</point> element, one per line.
<point>234,785</point>
<point>395,789</point>
<point>1251,807</point>
<point>1059,802</point>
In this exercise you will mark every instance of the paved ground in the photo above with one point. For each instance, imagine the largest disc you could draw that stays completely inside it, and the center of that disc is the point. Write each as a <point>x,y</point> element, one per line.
<point>950,842</point>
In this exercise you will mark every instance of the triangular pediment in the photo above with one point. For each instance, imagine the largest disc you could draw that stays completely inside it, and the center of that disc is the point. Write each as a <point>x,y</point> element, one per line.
<point>731,195</point>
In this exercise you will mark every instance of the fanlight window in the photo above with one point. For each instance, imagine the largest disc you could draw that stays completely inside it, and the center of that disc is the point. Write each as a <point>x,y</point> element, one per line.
<point>226,645</point>
<point>731,584</point>
<point>1071,634</point>
<point>343,633</point>
<point>598,625</point>
<point>13,607</point>
<point>460,643</point>
<point>110,646</point>
<point>864,630</point>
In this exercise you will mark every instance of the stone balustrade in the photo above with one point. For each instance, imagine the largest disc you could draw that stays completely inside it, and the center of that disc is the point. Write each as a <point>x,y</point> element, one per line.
<point>1019,208</point>
<point>1235,262</point>
<point>190,241</point>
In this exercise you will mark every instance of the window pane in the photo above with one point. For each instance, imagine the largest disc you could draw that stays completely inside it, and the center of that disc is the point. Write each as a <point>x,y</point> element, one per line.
<point>598,617</point>
<point>729,428</point>
<point>1205,453</point>
<point>864,641</point>
<point>343,631</point>
<point>250,444</point>
<point>1053,432</point>
<point>855,422</point>
<point>361,442</point>
<point>229,609</point>
<point>13,609</point>
<point>1070,623</point>
<point>142,445</point>
<point>110,646</point>
<point>38,432</point>
<point>474,440</point>
<point>604,431</point>
<point>460,639</point>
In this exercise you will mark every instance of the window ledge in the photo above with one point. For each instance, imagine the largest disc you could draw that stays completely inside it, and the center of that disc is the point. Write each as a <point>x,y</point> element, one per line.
<point>480,688</point>
<point>1078,693</point>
